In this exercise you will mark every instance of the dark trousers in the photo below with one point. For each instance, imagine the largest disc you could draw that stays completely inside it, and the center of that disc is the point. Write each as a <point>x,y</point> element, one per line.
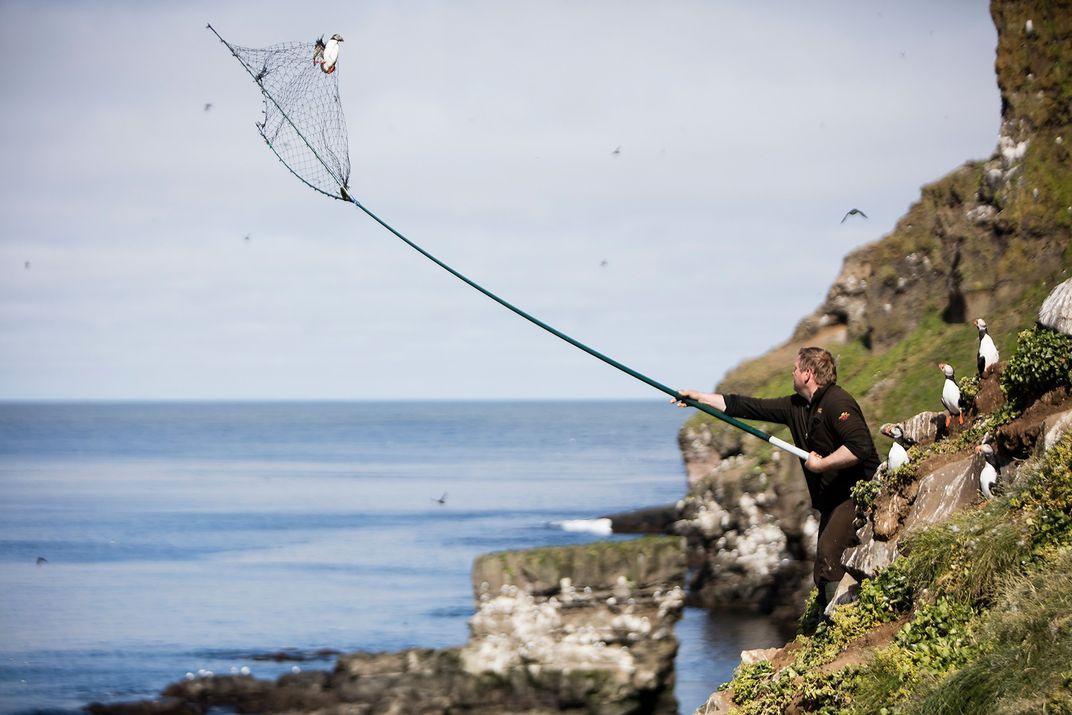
<point>836,533</point>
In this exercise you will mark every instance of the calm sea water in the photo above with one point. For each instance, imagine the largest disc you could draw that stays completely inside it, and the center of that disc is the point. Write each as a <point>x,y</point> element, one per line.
<point>178,537</point>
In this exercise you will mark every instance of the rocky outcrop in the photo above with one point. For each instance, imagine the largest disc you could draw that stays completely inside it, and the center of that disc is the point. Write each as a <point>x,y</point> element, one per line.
<point>751,535</point>
<point>649,520</point>
<point>584,629</point>
<point>952,486</point>
<point>1056,310</point>
<point>930,500</point>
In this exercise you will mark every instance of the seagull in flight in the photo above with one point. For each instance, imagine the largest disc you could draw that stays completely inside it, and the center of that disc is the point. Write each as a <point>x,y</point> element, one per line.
<point>208,106</point>
<point>442,499</point>
<point>851,213</point>
<point>41,561</point>
<point>617,150</point>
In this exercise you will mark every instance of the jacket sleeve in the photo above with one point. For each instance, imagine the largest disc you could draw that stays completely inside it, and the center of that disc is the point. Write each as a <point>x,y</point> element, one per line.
<point>772,409</point>
<point>847,421</point>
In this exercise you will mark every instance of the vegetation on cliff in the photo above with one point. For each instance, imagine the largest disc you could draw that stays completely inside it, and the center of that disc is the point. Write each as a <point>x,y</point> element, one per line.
<point>1041,362</point>
<point>981,616</point>
<point>974,616</point>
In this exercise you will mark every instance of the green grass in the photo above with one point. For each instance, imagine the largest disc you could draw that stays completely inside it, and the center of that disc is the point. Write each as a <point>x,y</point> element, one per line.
<point>990,628</point>
<point>1024,661</point>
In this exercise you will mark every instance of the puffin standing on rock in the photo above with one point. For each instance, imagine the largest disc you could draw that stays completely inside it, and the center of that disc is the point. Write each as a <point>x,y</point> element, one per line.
<point>989,474</point>
<point>950,396</point>
<point>898,456</point>
<point>988,352</point>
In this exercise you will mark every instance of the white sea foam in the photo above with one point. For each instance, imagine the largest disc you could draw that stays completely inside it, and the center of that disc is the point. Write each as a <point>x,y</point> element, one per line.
<point>594,526</point>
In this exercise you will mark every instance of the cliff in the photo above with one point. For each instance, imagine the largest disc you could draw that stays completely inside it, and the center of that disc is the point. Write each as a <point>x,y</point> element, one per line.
<point>957,597</point>
<point>956,601</point>
<point>988,240</point>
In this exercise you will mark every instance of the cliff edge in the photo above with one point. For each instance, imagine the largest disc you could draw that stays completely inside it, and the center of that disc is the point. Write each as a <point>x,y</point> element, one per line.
<point>990,239</point>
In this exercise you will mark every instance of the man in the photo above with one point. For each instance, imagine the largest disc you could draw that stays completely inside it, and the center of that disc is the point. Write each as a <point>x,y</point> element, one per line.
<point>824,419</point>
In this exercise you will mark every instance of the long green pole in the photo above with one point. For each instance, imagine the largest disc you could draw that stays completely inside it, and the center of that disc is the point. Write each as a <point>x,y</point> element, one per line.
<point>344,192</point>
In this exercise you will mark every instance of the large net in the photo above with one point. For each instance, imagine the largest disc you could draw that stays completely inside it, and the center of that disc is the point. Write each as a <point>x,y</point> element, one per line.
<point>303,118</point>
<point>304,125</point>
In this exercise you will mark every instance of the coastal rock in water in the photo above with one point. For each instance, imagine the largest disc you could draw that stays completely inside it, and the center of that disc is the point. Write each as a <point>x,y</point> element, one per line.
<point>751,533</point>
<point>647,564</point>
<point>653,520</point>
<point>704,445</point>
<point>584,629</point>
<point>164,706</point>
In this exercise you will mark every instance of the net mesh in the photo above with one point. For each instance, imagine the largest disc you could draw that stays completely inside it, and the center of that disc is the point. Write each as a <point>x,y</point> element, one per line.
<point>303,119</point>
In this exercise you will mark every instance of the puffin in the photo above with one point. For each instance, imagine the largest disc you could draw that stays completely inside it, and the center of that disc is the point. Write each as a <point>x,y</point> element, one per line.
<point>326,54</point>
<point>950,396</point>
<point>989,474</point>
<point>898,456</point>
<point>988,352</point>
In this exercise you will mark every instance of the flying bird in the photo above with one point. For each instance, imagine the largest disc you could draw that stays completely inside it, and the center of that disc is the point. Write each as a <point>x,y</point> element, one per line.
<point>988,352</point>
<point>326,54</point>
<point>208,106</point>
<point>853,212</point>
<point>41,561</point>
<point>603,263</point>
<point>27,265</point>
<point>617,151</point>
<point>247,236</point>
<point>950,396</point>
<point>442,499</point>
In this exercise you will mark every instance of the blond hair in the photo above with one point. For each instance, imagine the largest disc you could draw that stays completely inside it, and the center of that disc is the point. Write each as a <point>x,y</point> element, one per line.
<point>820,363</point>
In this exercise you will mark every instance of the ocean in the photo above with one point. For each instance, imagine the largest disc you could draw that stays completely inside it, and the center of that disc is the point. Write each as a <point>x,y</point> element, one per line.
<point>140,542</point>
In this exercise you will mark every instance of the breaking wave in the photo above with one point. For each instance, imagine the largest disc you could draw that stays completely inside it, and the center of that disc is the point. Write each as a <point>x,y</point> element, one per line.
<point>591,526</point>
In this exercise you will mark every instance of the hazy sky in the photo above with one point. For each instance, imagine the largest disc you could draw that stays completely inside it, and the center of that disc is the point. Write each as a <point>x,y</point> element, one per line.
<point>484,132</point>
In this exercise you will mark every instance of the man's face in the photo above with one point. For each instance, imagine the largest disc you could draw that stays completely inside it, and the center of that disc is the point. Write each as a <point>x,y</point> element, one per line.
<point>800,378</point>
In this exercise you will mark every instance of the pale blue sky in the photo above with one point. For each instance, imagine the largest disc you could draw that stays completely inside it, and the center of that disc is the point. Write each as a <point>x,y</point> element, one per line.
<point>483,131</point>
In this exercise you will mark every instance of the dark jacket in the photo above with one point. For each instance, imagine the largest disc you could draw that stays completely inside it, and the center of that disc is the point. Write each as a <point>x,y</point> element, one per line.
<point>831,420</point>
